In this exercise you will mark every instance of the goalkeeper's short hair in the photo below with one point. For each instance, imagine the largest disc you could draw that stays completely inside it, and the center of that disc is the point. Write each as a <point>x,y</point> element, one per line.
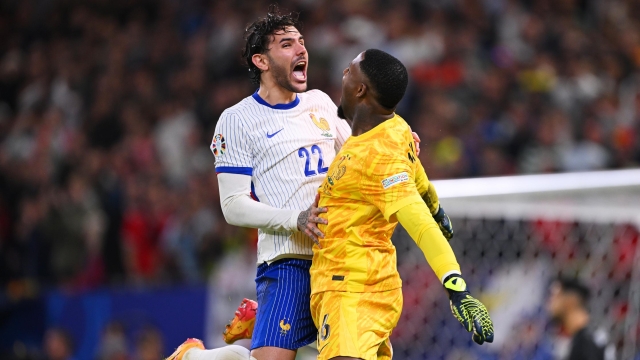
<point>387,75</point>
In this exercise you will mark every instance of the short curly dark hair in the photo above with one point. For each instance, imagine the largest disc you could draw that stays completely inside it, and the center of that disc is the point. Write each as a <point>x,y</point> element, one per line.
<point>387,75</point>
<point>257,36</point>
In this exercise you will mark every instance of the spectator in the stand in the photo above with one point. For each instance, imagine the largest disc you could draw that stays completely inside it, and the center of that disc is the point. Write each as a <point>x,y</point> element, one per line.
<point>113,343</point>
<point>567,306</point>
<point>58,345</point>
<point>148,345</point>
<point>74,226</point>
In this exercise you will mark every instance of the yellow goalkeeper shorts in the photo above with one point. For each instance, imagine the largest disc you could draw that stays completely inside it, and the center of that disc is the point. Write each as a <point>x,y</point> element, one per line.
<point>356,324</point>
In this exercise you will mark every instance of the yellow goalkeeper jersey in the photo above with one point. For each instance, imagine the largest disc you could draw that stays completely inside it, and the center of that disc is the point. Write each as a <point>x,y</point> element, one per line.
<point>373,176</point>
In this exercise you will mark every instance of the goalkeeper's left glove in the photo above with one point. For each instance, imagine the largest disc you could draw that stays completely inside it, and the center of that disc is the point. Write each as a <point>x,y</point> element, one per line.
<point>470,312</point>
<point>444,223</point>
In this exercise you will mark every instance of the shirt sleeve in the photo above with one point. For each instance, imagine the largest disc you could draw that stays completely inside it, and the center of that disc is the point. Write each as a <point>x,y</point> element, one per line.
<point>240,209</point>
<point>426,189</point>
<point>388,181</point>
<point>427,235</point>
<point>232,146</point>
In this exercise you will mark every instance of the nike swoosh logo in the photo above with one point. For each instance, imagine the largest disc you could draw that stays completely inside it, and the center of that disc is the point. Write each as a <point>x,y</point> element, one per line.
<point>274,134</point>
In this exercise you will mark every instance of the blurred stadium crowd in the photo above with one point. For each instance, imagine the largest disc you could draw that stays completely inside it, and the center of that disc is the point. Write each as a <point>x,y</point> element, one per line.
<point>107,108</point>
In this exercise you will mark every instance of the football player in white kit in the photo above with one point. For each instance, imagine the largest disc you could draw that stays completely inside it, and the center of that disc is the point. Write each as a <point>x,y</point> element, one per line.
<point>272,150</point>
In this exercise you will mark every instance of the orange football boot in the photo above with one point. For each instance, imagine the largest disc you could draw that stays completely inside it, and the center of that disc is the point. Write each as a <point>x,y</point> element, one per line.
<point>241,327</point>
<point>182,349</point>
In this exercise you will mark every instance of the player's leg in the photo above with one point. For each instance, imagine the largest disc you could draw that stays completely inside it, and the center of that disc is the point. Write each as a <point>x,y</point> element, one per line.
<point>230,352</point>
<point>273,353</point>
<point>193,349</point>
<point>283,321</point>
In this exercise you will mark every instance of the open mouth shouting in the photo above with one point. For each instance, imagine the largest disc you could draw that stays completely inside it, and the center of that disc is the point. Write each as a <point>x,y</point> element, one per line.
<point>300,71</point>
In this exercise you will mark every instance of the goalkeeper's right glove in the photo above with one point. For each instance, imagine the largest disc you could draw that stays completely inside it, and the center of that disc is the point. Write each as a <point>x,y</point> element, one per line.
<point>444,223</point>
<point>470,312</point>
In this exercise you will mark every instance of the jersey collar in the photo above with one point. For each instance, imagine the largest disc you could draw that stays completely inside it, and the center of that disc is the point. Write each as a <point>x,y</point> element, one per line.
<point>377,128</point>
<point>287,106</point>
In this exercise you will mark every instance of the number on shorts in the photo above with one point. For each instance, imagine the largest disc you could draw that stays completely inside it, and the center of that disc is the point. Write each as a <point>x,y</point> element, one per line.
<point>325,329</point>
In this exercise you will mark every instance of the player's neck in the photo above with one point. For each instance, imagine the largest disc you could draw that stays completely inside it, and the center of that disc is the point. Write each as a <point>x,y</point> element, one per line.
<point>368,117</point>
<point>274,94</point>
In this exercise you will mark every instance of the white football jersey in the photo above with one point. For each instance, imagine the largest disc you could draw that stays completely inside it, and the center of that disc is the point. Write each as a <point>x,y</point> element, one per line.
<point>287,150</point>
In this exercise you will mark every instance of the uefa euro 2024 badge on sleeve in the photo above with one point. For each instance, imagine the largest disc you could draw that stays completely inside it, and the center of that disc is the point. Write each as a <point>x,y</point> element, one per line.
<point>218,145</point>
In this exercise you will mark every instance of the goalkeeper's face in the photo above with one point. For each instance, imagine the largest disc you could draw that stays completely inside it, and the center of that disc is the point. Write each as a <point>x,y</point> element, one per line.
<point>288,60</point>
<point>353,89</point>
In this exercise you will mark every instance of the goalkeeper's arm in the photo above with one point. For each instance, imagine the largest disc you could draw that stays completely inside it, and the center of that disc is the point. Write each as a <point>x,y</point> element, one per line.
<point>428,193</point>
<point>423,229</point>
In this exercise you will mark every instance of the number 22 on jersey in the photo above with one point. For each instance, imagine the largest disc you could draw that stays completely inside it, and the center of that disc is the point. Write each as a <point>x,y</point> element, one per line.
<point>306,154</point>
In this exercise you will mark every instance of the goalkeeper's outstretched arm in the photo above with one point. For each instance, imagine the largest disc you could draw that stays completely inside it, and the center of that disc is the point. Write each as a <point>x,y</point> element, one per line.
<point>428,193</point>
<point>422,228</point>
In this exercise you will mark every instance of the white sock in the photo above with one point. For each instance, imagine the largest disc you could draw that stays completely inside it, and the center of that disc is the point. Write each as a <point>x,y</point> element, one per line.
<point>231,352</point>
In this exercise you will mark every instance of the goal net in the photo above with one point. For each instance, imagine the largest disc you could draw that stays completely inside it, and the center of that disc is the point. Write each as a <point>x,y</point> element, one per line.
<point>513,236</point>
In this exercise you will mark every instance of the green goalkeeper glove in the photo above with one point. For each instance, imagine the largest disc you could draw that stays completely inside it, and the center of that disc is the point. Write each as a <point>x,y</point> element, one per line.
<point>470,312</point>
<point>444,223</point>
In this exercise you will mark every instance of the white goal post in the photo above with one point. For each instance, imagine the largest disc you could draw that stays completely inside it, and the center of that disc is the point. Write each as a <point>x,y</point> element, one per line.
<point>602,196</point>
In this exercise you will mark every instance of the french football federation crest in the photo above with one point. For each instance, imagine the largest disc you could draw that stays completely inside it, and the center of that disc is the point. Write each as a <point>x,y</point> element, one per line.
<point>339,170</point>
<point>284,327</point>
<point>322,124</point>
<point>218,145</point>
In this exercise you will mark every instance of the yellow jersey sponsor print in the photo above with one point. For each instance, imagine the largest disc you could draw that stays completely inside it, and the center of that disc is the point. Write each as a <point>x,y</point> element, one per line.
<point>372,177</point>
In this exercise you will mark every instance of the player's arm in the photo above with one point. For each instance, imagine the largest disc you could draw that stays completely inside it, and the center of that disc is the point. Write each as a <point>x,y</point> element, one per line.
<point>240,209</point>
<point>470,312</point>
<point>428,193</point>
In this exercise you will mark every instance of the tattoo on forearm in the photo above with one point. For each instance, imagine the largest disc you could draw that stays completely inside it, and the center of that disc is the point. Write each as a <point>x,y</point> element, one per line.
<point>303,219</point>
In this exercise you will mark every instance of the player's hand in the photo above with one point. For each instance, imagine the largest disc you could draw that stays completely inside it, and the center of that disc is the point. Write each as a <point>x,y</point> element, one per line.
<point>416,140</point>
<point>444,223</point>
<point>470,312</point>
<point>308,221</point>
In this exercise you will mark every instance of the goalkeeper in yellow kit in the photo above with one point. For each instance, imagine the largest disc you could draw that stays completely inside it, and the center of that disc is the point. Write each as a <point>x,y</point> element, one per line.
<point>375,182</point>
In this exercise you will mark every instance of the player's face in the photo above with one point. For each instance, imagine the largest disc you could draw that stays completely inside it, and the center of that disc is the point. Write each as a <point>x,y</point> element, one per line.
<point>555,301</point>
<point>288,60</point>
<point>352,82</point>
